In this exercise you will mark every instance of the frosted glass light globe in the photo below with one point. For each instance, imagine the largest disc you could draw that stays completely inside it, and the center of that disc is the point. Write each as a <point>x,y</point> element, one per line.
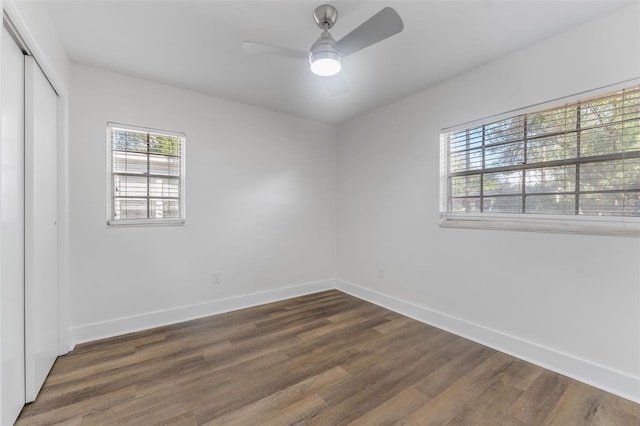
<point>326,66</point>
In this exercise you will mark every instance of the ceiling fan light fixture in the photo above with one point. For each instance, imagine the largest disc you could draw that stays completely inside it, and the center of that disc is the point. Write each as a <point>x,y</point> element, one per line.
<point>325,64</point>
<point>324,57</point>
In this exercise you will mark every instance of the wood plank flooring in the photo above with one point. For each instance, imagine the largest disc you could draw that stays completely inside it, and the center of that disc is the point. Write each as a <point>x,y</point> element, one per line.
<point>325,359</point>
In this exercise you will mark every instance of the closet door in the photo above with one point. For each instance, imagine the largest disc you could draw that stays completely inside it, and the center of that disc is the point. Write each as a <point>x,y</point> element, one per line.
<point>41,233</point>
<point>12,391</point>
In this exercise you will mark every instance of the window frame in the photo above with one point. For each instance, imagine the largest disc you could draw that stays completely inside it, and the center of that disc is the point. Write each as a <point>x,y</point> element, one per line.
<point>574,224</point>
<point>178,221</point>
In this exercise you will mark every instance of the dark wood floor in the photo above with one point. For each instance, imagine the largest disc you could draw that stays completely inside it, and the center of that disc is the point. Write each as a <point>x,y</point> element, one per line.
<point>326,359</point>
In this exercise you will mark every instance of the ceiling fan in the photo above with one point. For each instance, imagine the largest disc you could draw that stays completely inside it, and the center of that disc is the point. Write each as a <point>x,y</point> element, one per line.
<point>325,55</point>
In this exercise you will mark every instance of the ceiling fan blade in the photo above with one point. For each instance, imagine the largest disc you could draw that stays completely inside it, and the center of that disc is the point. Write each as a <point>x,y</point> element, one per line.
<point>382,25</point>
<point>336,85</point>
<point>254,47</point>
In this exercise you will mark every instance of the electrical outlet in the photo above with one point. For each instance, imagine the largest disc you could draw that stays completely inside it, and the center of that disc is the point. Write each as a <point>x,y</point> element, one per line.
<point>216,278</point>
<point>380,273</point>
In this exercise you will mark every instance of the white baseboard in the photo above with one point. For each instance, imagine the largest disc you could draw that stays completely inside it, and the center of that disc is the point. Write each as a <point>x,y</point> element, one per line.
<point>119,326</point>
<point>605,378</point>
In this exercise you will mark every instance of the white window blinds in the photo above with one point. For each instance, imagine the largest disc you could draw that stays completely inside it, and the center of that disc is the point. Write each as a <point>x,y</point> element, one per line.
<point>146,175</point>
<point>578,159</point>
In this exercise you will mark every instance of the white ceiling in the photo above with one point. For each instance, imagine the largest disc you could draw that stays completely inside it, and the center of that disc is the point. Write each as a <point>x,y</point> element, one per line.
<point>197,45</point>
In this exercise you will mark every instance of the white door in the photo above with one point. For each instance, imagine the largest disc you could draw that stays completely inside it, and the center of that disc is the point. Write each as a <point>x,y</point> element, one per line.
<point>12,391</point>
<point>41,233</point>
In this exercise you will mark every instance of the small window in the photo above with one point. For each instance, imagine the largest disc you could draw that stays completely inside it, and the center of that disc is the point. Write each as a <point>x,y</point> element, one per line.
<point>146,176</point>
<point>578,162</point>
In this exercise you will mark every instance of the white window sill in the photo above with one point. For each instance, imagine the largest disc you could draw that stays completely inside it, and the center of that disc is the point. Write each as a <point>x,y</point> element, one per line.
<point>145,222</point>
<point>617,226</point>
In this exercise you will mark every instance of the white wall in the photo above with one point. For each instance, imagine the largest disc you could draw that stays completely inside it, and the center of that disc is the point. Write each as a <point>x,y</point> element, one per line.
<point>569,302</point>
<point>260,205</point>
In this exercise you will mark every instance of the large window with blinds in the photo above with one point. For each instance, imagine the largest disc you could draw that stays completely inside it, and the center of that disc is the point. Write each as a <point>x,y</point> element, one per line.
<point>580,159</point>
<point>146,176</point>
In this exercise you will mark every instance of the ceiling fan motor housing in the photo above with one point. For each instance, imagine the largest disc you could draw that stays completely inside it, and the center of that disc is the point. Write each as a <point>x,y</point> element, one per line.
<point>324,47</point>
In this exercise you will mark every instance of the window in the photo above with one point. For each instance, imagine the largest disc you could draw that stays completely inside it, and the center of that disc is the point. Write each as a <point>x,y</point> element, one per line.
<point>578,163</point>
<point>146,176</point>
